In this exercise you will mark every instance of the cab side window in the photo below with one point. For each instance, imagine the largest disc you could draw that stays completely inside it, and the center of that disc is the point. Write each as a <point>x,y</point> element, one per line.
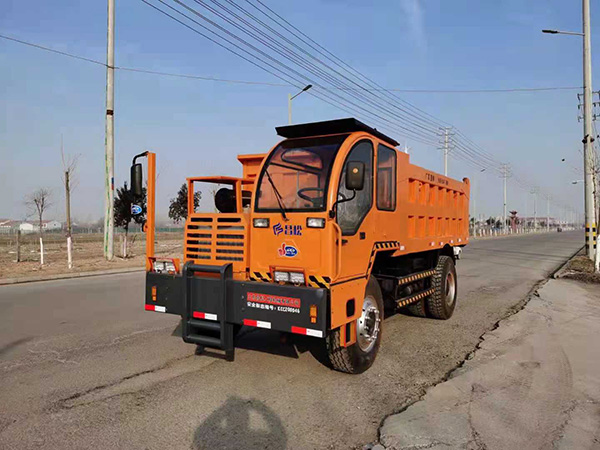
<point>350,214</point>
<point>386,178</point>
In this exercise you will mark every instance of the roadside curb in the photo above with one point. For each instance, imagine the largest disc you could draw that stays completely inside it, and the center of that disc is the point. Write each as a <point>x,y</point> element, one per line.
<point>560,272</point>
<point>64,276</point>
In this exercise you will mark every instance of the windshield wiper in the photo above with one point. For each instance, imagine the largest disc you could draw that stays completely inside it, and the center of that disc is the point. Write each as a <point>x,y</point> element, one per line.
<point>277,196</point>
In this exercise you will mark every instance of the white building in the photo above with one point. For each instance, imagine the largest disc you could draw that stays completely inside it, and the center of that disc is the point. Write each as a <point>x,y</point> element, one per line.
<point>47,225</point>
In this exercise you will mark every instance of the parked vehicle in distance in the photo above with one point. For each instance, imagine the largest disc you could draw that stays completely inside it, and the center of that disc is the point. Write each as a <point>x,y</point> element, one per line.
<point>319,237</point>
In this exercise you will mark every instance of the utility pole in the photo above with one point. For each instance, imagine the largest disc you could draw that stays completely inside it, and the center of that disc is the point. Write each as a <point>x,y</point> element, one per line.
<point>534,192</point>
<point>588,137</point>
<point>505,169</point>
<point>109,139</point>
<point>446,146</point>
<point>548,215</point>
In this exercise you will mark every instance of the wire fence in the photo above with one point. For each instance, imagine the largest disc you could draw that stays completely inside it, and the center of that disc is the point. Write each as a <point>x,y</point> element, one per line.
<point>92,234</point>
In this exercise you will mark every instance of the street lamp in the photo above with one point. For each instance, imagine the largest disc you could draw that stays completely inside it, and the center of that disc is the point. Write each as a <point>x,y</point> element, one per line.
<point>475,197</point>
<point>290,98</point>
<point>588,137</point>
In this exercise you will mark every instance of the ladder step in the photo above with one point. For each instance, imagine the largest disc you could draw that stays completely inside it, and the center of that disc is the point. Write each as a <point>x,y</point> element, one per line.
<point>207,341</point>
<point>204,324</point>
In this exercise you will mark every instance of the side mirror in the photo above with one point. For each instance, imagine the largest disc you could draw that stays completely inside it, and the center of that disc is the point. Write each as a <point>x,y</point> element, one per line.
<point>355,175</point>
<point>136,180</point>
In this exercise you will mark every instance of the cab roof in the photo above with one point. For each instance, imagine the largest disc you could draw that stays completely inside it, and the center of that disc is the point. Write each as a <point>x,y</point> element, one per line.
<point>337,126</point>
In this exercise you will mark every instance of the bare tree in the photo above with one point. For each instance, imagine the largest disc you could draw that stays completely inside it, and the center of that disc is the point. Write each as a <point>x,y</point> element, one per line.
<point>39,202</point>
<point>69,166</point>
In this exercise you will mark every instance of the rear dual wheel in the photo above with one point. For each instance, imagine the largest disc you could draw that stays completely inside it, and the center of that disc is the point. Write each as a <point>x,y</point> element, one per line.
<point>440,304</point>
<point>358,357</point>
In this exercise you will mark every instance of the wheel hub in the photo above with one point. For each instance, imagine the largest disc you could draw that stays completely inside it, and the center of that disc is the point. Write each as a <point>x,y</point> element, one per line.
<point>368,325</point>
<point>450,289</point>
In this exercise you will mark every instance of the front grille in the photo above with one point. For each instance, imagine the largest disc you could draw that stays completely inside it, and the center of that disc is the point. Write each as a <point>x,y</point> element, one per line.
<point>217,238</point>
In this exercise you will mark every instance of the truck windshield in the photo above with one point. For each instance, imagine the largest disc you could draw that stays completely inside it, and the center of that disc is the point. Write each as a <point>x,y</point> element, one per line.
<point>296,175</point>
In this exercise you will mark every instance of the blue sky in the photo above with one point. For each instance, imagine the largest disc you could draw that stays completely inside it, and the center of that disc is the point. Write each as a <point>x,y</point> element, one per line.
<point>198,127</point>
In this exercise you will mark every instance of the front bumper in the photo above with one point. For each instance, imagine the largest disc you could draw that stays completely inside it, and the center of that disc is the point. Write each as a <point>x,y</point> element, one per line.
<point>204,294</point>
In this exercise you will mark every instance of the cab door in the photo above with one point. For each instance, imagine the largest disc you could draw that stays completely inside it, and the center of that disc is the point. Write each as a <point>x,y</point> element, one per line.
<point>353,214</point>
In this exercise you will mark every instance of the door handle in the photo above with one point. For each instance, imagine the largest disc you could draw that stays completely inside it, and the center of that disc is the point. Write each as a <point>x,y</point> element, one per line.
<point>362,236</point>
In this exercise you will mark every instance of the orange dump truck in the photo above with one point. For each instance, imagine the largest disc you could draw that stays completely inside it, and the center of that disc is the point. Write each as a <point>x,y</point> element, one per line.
<point>318,237</point>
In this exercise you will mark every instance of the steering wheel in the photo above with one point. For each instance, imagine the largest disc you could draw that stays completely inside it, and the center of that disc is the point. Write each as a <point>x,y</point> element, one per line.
<point>316,201</point>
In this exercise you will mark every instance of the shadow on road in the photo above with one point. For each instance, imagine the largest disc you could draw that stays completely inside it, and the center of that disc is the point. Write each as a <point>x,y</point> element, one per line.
<point>241,424</point>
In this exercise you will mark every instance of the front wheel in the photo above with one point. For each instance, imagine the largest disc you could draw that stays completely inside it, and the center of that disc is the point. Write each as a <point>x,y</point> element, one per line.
<point>359,356</point>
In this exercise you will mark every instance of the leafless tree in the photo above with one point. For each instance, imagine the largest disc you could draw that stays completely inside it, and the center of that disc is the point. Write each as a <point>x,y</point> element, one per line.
<point>69,166</point>
<point>38,203</point>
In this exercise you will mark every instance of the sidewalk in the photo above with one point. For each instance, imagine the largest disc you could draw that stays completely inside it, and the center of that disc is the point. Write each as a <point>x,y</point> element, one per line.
<point>534,383</point>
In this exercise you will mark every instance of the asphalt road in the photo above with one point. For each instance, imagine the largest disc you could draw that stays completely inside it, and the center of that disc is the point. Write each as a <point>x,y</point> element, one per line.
<point>83,366</point>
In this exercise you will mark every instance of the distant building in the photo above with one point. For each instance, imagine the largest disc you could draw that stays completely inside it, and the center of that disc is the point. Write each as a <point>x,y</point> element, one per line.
<point>47,225</point>
<point>8,225</point>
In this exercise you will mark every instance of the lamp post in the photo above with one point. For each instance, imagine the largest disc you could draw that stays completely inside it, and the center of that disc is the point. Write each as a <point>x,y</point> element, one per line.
<point>475,191</point>
<point>588,139</point>
<point>292,97</point>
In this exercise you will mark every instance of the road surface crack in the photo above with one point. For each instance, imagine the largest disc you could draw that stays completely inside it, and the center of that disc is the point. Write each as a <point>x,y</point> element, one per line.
<point>65,402</point>
<point>475,388</point>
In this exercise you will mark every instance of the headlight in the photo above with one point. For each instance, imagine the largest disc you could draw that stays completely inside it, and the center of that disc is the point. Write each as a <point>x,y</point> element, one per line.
<point>166,266</point>
<point>315,222</point>
<point>297,278</point>
<point>158,266</point>
<point>281,276</point>
<point>261,223</point>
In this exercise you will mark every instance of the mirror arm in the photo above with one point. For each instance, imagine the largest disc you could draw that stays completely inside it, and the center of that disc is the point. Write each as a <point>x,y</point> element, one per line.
<point>333,210</point>
<point>139,156</point>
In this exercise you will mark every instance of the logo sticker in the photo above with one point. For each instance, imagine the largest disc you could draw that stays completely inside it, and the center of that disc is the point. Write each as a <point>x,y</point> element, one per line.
<point>288,251</point>
<point>289,230</point>
<point>277,229</point>
<point>136,209</point>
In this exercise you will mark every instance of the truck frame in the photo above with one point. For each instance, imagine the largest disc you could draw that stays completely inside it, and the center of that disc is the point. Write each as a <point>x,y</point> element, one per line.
<point>320,237</point>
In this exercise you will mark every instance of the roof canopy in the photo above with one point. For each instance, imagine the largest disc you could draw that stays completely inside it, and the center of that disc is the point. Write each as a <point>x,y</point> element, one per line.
<point>337,126</point>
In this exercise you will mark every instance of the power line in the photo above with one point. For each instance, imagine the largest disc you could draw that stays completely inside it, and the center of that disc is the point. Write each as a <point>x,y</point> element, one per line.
<point>492,90</point>
<point>264,83</point>
<point>466,150</point>
<point>259,58</point>
<point>140,70</point>
<point>41,47</point>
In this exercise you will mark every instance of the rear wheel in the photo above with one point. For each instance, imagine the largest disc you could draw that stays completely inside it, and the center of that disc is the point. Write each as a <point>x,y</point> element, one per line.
<point>359,356</point>
<point>417,308</point>
<point>441,304</point>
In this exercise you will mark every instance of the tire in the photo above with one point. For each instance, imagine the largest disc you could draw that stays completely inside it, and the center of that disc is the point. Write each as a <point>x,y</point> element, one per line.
<point>417,309</point>
<point>359,356</point>
<point>441,304</point>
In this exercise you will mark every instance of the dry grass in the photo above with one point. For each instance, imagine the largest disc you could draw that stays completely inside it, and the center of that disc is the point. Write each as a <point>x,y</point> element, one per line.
<point>581,268</point>
<point>87,254</point>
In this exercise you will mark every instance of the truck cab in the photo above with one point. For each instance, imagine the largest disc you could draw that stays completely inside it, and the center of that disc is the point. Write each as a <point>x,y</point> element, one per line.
<point>316,238</point>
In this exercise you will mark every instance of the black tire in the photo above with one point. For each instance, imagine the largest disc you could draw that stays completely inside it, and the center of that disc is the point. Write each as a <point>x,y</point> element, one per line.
<point>353,359</point>
<point>417,309</point>
<point>441,304</point>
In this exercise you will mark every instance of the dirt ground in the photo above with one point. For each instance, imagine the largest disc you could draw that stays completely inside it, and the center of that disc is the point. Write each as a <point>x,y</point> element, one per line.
<point>581,268</point>
<point>87,253</point>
